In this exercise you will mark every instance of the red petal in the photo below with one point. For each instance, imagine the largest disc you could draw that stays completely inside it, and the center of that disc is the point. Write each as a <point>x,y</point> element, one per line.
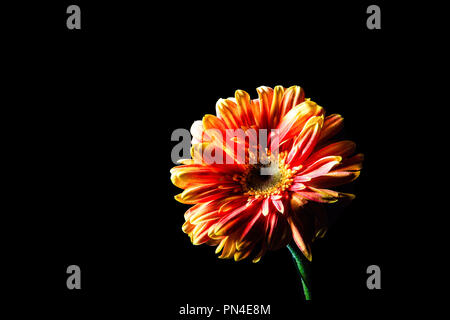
<point>320,167</point>
<point>279,205</point>
<point>297,186</point>
<point>250,225</point>
<point>265,207</point>
<point>342,148</point>
<point>232,221</point>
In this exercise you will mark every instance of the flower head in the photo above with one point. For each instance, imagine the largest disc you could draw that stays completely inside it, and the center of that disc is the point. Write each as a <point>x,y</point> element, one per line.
<point>260,173</point>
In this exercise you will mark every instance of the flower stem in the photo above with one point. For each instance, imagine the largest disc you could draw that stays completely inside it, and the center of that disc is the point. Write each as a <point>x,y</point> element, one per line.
<point>304,269</point>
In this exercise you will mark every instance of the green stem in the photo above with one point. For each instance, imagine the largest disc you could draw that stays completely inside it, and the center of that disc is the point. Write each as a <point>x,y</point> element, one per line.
<point>304,269</point>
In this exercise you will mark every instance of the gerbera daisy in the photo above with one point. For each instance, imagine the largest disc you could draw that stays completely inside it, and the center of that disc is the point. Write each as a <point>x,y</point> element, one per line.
<point>272,192</point>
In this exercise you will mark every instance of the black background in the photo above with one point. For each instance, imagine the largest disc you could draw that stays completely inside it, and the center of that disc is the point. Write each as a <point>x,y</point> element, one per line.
<point>95,111</point>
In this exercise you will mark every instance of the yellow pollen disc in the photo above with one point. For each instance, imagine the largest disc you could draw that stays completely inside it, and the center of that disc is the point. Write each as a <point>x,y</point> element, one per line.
<point>265,180</point>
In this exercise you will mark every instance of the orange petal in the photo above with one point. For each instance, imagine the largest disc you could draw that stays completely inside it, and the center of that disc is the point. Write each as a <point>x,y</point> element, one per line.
<point>229,248</point>
<point>304,144</point>
<point>301,243</point>
<point>275,108</point>
<point>226,110</point>
<point>297,201</point>
<point>202,193</point>
<point>256,113</point>
<point>227,224</point>
<point>239,255</point>
<point>232,203</point>
<point>199,208</point>
<point>188,227</point>
<point>244,105</point>
<point>201,217</point>
<point>222,148</point>
<point>265,101</point>
<point>292,97</point>
<point>200,233</point>
<point>189,176</point>
<point>210,121</point>
<point>292,123</point>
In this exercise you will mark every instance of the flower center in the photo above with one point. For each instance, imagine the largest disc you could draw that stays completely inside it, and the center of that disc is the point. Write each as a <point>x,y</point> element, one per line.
<point>264,180</point>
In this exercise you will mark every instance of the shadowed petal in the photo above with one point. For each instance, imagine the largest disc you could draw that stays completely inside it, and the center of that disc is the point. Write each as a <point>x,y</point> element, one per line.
<point>334,178</point>
<point>342,148</point>
<point>319,195</point>
<point>298,230</point>
<point>332,125</point>
<point>353,163</point>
